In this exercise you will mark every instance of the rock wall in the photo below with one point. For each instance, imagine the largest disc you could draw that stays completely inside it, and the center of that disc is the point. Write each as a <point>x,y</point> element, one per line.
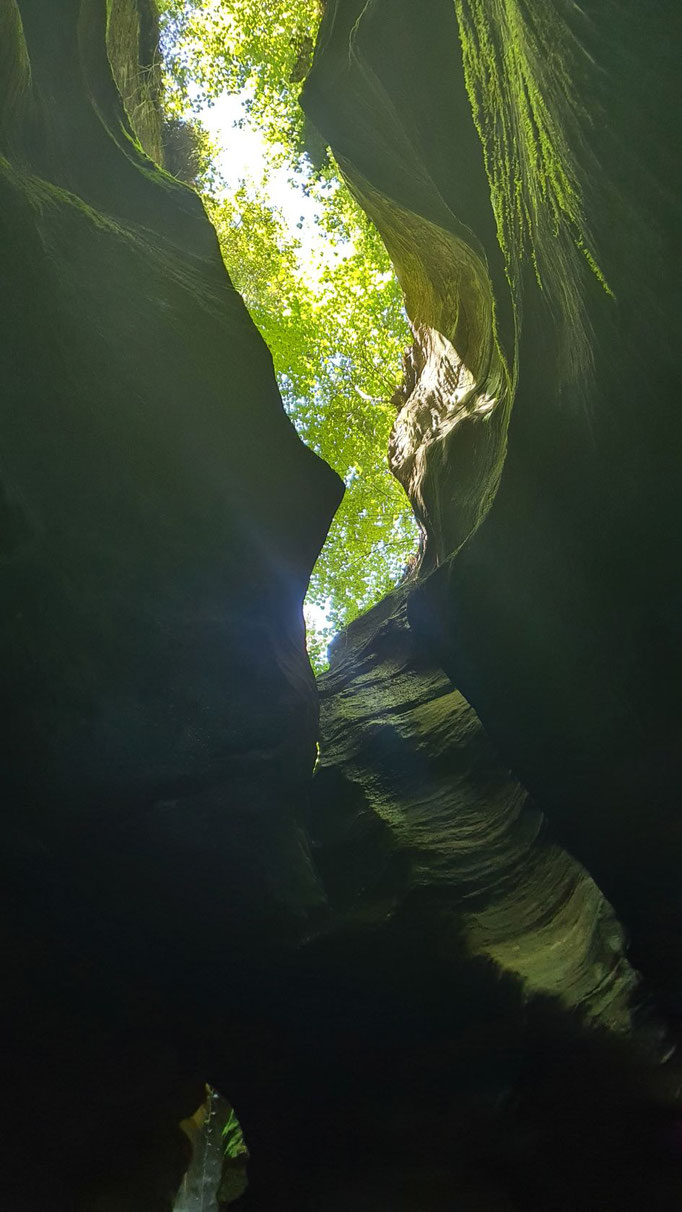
<point>160,521</point>
<point>518,164</point>
<point>461,1029</point>
<point>469,967</point>
<point>411,799</point>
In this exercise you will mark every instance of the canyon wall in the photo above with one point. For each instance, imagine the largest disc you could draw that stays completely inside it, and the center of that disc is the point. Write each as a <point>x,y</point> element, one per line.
<point>519,166</point>
<point>160,521</point>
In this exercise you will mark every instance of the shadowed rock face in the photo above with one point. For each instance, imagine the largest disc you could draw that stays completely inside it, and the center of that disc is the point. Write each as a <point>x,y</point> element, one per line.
<point>532,215</point>
<point>458,1033</point>
<point>410,799</point>
<point>160,519</point>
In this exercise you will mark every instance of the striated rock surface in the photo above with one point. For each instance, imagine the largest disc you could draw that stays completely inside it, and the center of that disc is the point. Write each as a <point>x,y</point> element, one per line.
<point>458,1032</point>
<point>410,798</point>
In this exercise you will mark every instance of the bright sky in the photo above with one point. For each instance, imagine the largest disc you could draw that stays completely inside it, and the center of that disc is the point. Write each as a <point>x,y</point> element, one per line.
<point>242,156</point>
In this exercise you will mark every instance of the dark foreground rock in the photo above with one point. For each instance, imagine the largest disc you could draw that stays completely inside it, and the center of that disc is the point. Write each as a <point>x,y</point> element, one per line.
<point>160,519</point>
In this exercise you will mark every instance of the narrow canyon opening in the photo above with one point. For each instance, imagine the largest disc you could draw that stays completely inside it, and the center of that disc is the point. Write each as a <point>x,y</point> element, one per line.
<point>311,267</point>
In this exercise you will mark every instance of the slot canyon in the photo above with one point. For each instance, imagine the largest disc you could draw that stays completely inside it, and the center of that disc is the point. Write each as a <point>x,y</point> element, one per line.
<point>418,918</point>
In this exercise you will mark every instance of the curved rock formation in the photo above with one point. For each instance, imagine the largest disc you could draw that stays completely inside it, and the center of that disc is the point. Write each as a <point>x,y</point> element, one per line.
<point>534,145</point>
<point>410,798</point>
<point>160,521</point>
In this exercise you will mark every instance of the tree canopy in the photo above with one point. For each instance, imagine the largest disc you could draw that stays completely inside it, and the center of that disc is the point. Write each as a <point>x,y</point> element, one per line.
<point>259,48</point>
<point>322,291</point>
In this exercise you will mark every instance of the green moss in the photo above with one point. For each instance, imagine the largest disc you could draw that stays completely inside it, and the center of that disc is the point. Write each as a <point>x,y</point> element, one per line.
<point>517,67</point>
<point>132,47</point>
<point>15,67</point>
